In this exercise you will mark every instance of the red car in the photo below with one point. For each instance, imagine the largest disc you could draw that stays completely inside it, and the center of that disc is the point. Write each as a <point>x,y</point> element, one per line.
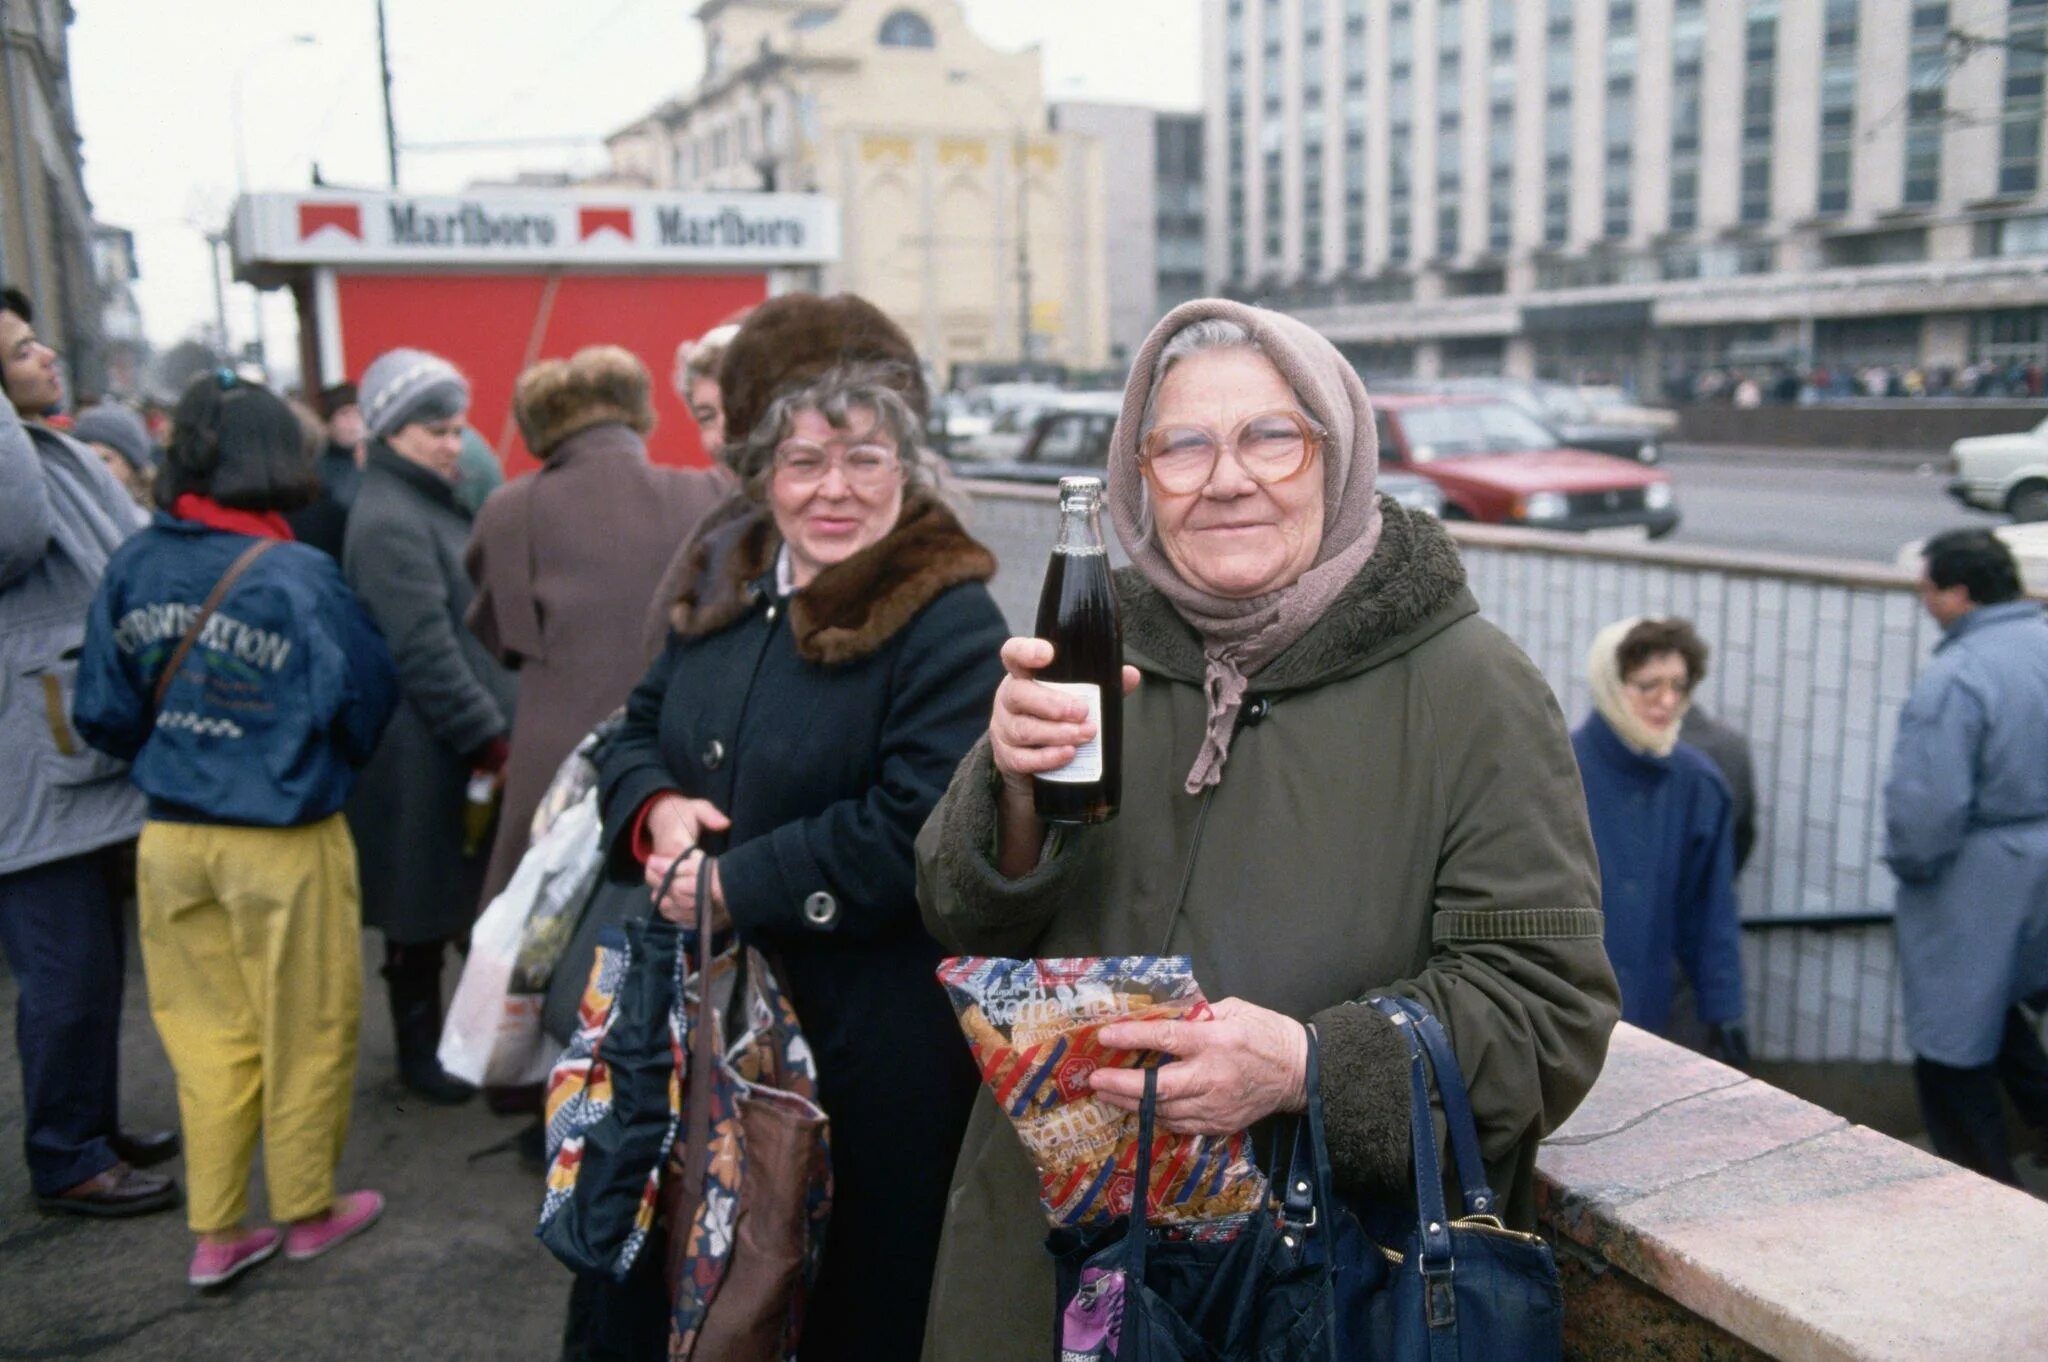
<point>1497,464</point>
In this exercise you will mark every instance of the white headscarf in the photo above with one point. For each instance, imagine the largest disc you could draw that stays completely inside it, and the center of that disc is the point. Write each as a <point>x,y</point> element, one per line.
<point>1603,669</point>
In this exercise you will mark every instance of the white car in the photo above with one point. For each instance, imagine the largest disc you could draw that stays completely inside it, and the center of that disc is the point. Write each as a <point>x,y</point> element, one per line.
<point>2002,473</point>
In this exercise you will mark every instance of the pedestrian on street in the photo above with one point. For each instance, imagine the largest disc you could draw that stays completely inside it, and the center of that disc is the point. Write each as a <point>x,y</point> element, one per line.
<point>1728,749</point>
<point>323,523</point>
<point>245,725</point>
<point>565,560</point>
<point>1665,825</point>
<point>833,655</point>
<point>696,379</point>
<point>1338,781</point>
<point>1966,832</point>
<point>71,815</point>
<point>406,537</point>
<point>116,433</point>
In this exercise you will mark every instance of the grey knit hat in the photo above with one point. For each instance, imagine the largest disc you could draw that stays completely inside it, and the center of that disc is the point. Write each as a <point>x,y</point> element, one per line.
<point>405,386</point>
<point>120,429</point>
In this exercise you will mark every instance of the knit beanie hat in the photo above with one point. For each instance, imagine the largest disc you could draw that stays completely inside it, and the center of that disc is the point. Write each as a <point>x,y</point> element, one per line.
<point>402,387</point>
<point>120,429</point>
<point>796,339</point>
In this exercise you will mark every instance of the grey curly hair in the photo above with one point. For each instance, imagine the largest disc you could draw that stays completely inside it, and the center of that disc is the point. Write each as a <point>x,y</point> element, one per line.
<point>836,395</point>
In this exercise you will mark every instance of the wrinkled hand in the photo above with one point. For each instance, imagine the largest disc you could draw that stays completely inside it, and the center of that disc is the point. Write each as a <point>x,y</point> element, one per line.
<point>675,824</point>
<point>679,905</point>
<point>1241,1065</point>
<point>1035,728</point>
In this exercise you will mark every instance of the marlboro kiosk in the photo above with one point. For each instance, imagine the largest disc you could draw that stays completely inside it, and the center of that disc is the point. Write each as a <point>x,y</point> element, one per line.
<point>497,280</point>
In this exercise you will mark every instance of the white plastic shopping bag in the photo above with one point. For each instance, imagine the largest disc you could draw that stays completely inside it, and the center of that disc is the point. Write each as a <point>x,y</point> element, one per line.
<point>493,1035</point>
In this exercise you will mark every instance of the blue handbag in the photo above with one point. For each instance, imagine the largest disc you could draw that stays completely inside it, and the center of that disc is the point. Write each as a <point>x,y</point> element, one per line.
<point>1465,1289</point>
<point>1318,1277</point>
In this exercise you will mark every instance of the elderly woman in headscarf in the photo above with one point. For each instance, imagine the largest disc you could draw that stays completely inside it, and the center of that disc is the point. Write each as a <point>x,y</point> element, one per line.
<point>1664,822</point>
<point>403,555</point>
<point>1339,781</point>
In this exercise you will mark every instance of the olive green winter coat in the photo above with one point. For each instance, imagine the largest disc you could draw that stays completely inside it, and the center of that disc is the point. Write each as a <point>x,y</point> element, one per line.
<point>1400,812</point>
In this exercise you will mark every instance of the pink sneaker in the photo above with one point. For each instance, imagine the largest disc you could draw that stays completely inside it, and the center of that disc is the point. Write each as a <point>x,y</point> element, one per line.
<point>353,1213</point>
<point>218,1264</point>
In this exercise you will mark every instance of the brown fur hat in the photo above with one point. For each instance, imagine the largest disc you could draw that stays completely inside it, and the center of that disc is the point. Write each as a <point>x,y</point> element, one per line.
<point>789,341</point>
<point>601,384</point>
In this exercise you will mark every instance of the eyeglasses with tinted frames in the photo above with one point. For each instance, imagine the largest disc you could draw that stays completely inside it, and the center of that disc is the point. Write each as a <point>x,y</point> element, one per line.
<point>868,467</point>
<point>1271,447</point>
<point>1651,689</point>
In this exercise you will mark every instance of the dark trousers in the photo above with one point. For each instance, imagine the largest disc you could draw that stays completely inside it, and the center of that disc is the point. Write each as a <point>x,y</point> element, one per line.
<point>62,928</point>
<point>1962,1108</point>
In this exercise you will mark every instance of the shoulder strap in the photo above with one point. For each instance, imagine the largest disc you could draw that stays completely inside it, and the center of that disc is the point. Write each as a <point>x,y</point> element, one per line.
<point>213,600</point>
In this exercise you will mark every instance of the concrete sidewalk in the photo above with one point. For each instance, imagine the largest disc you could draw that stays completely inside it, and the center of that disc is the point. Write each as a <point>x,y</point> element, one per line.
<point>452,1272</point>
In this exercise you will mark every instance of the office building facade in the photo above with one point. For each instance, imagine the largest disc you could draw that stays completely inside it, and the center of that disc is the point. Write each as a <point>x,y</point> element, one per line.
<point>1635,190</point>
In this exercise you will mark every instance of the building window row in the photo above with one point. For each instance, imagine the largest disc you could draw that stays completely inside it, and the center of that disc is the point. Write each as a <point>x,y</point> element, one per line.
<point>1841,34</point>
<point>1926,86</point>
<point>1557,124</point>
<point>1759,106</point>
<point>2026,58</point>
<point>1688,51</point>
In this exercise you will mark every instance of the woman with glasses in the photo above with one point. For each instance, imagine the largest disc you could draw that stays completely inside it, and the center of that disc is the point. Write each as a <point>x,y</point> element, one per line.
<point>1664,822</point>
<point>1338,781</point>
<point>832,655</point>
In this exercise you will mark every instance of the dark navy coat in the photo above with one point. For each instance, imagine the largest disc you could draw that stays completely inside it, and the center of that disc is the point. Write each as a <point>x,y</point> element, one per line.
<point>1664,827</point>
<point>283,697</point>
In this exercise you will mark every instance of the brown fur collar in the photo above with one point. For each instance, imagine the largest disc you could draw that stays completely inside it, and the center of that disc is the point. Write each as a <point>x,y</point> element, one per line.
<point>850,609</point>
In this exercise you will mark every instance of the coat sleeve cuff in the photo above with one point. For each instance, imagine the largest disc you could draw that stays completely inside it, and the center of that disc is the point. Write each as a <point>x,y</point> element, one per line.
<point>774,885</point>
<point>625,819</point>
<point>1366,1101</point>
<point>981,909</point>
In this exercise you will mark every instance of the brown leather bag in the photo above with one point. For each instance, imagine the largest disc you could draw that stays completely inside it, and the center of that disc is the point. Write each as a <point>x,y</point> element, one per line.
<point>739,1290</point>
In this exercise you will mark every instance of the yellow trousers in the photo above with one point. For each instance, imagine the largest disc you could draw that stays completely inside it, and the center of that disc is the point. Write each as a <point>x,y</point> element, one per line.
<point>251,943</point>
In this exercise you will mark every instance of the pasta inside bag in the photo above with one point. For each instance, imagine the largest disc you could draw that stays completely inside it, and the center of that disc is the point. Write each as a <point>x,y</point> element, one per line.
<point>1031,1025</point>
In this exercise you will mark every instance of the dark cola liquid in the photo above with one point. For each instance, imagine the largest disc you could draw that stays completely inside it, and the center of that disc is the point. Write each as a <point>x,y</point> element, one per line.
<point>1077,615</point>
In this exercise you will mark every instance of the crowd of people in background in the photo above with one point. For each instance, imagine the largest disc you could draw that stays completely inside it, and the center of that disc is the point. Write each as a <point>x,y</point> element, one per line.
<point>285,706</point>
<point>1788,385</point>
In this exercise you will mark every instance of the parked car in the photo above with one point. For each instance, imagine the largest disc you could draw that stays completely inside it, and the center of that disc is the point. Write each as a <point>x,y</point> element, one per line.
<point>1000,415</point>
<point>1495,463</point>
<point>1072,440</point>
<point>2002,473</point>
<point>1575,420</point>
<point>1614,407</point>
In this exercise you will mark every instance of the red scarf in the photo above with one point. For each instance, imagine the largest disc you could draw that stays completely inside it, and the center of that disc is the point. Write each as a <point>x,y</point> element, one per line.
<point>210,513</point>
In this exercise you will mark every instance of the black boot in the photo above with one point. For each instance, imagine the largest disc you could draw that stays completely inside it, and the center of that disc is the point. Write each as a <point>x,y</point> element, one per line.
<point>412,977</point>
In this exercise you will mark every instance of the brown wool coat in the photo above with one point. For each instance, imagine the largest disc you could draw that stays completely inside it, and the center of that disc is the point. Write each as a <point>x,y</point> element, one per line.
<point>1400,813</point>
<point>565,562</point>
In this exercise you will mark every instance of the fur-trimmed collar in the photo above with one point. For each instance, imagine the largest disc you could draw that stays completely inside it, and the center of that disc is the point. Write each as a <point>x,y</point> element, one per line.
<point>1412,587</point>
<point>850,609</point>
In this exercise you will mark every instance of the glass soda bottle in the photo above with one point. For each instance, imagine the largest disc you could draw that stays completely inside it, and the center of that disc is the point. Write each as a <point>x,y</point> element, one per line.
<point>1077,615</point>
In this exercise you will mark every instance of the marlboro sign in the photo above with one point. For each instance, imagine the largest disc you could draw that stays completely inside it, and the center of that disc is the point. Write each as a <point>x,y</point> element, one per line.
<point>559,229</point>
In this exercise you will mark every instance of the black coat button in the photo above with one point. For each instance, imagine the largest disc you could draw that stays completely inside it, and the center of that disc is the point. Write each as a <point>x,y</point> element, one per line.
<point>821,910</point>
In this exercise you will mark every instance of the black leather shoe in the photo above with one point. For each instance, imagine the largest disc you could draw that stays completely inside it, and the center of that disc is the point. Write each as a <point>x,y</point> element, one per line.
<point>116,1194</point>
<point>145,1148</point>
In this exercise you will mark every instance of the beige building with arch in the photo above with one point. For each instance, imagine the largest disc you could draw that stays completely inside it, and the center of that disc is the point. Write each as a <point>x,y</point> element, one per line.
<point>925,135</point>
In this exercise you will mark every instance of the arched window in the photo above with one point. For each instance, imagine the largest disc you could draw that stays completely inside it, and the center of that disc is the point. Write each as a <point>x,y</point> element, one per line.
<point>907,28</point>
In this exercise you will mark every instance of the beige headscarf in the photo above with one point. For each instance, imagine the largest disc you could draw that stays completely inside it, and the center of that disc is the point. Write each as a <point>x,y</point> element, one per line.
<point>1241,636</point>
<point>1603,669</point>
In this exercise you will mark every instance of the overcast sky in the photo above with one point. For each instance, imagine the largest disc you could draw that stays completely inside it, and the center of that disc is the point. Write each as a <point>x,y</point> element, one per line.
<point>155,87</point>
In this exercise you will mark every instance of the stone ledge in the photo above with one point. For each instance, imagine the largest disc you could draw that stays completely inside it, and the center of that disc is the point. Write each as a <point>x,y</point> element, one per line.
<point>1785,1226</point>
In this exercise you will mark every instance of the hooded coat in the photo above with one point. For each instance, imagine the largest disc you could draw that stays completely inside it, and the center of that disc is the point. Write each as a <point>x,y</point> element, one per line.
<point>1400,813</point>
<point>62,515</point>
<point>403,557</point>
<point>565,561</point>
<point>1966,832</point>
<point>825,725</point>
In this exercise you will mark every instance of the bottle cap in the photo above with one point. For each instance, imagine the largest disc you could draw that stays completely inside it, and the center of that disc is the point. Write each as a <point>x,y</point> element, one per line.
<point>1076,489</point>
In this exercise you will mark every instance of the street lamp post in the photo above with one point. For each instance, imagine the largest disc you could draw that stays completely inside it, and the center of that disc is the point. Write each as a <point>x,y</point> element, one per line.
<point>1023,160</point>
<point>242,169</point>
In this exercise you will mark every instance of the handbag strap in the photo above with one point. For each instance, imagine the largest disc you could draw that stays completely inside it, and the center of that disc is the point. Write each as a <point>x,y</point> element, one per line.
<point>703,1040</point>
<point>1141,1188</point>
<point>1310,1181</point>
<point>219,593</point>
<point>1457,1102</point>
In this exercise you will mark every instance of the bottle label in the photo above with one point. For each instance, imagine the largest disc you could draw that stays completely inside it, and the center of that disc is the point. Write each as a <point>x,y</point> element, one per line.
<point>1086,767</point>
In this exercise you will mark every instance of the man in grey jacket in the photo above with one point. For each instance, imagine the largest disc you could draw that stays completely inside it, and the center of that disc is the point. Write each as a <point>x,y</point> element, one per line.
<point>68,809</point>
<point>1966,832</point>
